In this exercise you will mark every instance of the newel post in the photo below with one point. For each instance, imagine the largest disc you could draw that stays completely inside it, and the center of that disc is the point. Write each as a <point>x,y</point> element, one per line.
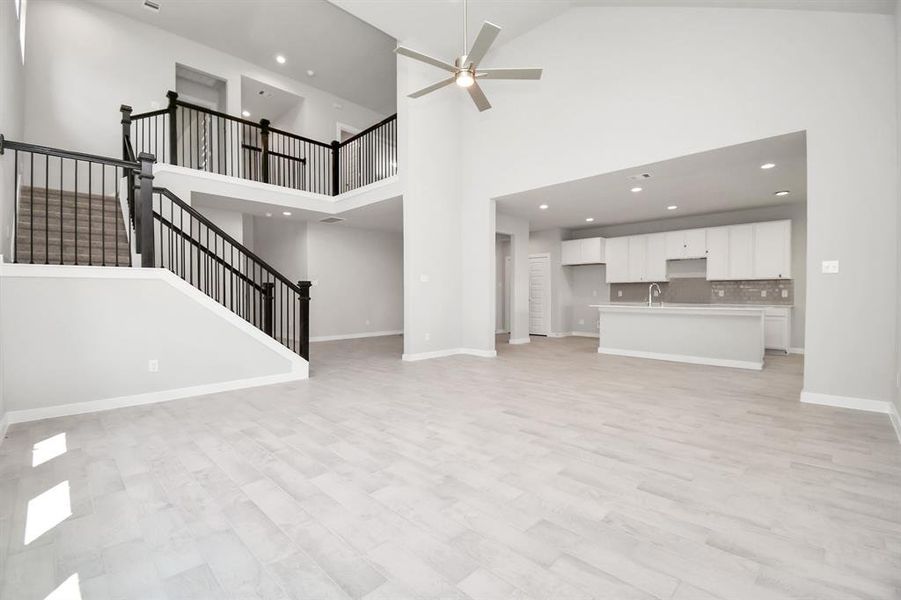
<point>304,316</point>
<point>264,142</point>
<point>126,155</point>
<point>268,305</point>
<point>144,226</point>
<point>173,127</point>
<point>336,180</point>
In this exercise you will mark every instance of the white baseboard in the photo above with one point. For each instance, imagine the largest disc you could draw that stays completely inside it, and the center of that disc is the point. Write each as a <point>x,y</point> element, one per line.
<point>557,335</point>
<point>519,341</point>
<point>886,407</point>
<point>78,408</point>
<point>590,334</point>
<point>796,350</point>
<point>499,331</point>
<point>694,360</point>
<point>449,352</point>
<point>354,336</point>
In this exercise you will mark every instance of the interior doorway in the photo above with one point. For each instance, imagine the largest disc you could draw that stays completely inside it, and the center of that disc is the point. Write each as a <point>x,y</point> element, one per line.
<point>539,294</point>
<point>503,286</point>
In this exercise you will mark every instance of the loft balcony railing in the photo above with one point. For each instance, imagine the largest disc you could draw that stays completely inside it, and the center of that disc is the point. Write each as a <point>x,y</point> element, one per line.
<point>193,136</point>
<point>74,208</point>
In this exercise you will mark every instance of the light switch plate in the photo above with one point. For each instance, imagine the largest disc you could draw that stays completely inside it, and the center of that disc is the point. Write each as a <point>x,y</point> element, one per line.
<point>153,365</point>
<point>830,266</point>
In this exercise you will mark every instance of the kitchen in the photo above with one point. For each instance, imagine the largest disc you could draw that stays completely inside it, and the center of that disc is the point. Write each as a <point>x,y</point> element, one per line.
<point>698,259</point>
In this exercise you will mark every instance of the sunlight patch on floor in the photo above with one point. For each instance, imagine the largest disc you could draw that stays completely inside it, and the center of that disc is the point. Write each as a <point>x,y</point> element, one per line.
<point>48,449</point>
<point>46,511</point>
<point>67,590</point>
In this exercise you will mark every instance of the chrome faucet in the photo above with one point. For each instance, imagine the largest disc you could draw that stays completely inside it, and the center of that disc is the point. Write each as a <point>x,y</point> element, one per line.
<point>650,294</point>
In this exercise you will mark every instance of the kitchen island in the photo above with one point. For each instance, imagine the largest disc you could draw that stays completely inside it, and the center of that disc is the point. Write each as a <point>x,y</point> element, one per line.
<point>725,336</point>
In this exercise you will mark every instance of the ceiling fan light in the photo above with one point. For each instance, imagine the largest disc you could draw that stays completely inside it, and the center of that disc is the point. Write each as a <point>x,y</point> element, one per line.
<point>465,79</point>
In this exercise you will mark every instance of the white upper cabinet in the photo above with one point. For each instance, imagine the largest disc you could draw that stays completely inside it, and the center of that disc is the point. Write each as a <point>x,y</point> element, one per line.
<point>750,251</point>
<point>617,250</point>
<point>772,250</point>
<point>690,243</point>
<point>571,252</point>
<point>741,252</point>
<point>588,251</point>
<point>638,247</point>
<point>718,253</point>
<point>655,257</point>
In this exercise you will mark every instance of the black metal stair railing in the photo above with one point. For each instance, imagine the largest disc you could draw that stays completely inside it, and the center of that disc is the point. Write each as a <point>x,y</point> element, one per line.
<point>69,212</point>
<point>196,137</point>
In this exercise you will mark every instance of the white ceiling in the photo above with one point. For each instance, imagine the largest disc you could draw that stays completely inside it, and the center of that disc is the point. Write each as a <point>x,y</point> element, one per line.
<point>387,215</point>
<point>435,26</point>
<point>349,57</point>
<point>715,181</point>
<point>273,104</point>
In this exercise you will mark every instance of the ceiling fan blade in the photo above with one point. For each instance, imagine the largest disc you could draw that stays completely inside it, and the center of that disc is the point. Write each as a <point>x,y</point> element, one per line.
<point>431,88</point>
<point>483,42</point>
<point>425,58</point>
<point>508,73</point>
<point>478,96</point>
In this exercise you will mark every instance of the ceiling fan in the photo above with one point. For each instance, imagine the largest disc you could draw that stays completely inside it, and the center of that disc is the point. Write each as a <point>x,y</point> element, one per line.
<point>465,68</point>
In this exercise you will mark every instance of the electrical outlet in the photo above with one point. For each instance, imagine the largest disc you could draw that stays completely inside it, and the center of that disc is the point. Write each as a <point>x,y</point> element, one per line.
<point>619,293</point>
<point>720,293</point>
<point>428,336</point>
<point>581,321</point>
<point>594,293</point>
<point>763,293</point>
<point>367,321</point>
<point>153,365</point>
<point>830,267</point>
<point>785,293</point>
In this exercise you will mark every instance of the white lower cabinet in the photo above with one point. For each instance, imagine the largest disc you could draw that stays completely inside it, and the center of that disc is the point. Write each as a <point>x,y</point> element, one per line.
<point>777,329</point>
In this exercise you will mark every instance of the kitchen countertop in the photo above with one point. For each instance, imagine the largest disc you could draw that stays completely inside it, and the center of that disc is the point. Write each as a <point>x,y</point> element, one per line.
<point>684,309</point>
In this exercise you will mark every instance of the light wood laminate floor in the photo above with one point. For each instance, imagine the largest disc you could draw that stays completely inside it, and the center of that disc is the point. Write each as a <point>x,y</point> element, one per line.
<point>550,472</point>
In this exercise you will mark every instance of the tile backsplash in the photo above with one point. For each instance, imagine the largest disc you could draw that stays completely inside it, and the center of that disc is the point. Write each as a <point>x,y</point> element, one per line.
<point>691,290</point>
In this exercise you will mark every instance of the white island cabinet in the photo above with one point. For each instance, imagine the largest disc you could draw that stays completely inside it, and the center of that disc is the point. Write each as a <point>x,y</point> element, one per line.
<point>704,334</point>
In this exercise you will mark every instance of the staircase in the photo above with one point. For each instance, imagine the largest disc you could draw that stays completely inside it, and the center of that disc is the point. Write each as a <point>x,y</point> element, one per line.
<point>67,228</point>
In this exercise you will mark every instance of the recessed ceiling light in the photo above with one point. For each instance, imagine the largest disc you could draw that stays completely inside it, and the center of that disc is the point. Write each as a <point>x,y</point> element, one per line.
<point>268,214</point>
<point>767,165</point>
<point>287,213</point>
<point>672,207</point>
<point>589,219</point>
<point>311,72</point>
<point>782,193</point>
<point>245,113</point>
<point>636,189</point>
<point>280,59</point>
<point>542,206</point>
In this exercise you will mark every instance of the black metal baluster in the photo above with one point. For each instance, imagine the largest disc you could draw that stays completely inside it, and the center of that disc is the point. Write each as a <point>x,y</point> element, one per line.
<point>61,211</point>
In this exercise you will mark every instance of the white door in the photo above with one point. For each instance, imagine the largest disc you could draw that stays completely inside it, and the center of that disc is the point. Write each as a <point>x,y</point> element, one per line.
<point>508,285</point>
<point>617,251</point>
<point>539,295</point>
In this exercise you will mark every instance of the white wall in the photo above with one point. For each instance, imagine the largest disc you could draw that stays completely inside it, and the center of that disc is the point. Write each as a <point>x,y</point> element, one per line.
<point>518,230</point>
<point>358,275</point>
<point>283,244</point>
<point>685,80</point>
<point>94,355</point>
<point>429,159</point>
<point>796,211</point>
<point>229,221</point>
<point>549,241</point>
<point>12,112</point>
<point>84,62</point>
<point>898,310</point>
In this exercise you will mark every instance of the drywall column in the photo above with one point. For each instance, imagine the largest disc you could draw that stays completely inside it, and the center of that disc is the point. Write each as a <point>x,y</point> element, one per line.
<point>429,160</point>
<point>518,230</point>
